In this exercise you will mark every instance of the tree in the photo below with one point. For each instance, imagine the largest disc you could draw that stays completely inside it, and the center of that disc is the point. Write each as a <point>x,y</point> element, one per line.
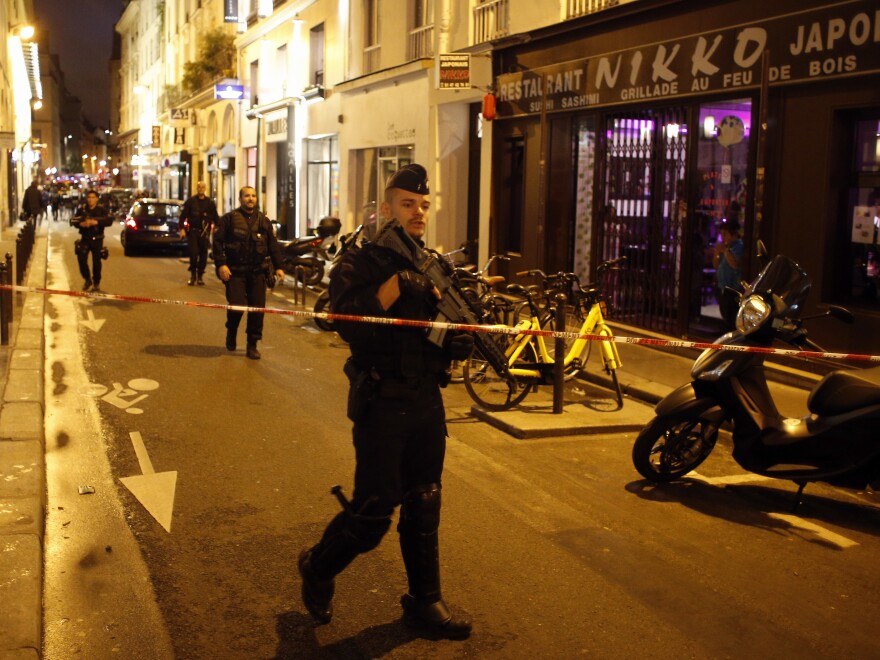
<point>216,58</point>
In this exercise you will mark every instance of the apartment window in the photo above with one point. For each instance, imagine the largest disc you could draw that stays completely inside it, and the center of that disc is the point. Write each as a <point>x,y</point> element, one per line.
<point>255,82</point>
<point>421,37</point>
<point>371,35</point>
<point>281,67</point>
<point>316,55</point>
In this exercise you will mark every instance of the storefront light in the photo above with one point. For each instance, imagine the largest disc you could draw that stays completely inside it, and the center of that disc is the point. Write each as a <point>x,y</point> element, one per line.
<point>709,127</point>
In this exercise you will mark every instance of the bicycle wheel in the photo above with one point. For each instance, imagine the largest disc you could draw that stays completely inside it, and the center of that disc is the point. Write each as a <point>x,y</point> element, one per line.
<point>486,387</point>
<point>573,321</point>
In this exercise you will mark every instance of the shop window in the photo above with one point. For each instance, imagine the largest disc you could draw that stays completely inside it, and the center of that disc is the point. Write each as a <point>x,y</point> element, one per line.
<point>583,230</point>
<point>863,214</point>
<point>251,174</point>
<point>512,200</point>
<point>322,179</point>
<point>373,167</point>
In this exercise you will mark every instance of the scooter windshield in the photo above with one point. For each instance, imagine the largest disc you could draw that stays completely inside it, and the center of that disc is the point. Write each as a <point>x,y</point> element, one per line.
<point>785,279</point>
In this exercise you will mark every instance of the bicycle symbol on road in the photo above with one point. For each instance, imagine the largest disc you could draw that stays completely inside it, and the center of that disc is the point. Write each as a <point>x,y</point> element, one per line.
<point>125,397</point>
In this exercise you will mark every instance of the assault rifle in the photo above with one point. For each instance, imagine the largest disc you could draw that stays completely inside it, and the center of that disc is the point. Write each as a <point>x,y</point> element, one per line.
<point>454,305</point>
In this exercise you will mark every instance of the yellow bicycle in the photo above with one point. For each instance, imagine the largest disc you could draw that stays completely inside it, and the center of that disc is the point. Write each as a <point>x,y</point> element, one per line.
<point>529,362</point>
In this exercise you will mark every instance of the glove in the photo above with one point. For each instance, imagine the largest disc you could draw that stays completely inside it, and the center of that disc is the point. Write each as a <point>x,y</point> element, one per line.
<point>414,284</point>
<point>459,346</point>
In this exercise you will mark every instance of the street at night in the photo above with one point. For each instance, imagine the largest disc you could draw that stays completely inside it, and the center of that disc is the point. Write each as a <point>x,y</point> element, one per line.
<point>555,547</point>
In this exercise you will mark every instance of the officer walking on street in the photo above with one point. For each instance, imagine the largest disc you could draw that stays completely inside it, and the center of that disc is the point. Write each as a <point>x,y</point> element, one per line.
<point>245,251</point>
<point>196,221</point>
<point>91,218</point>
<point>399,433</point>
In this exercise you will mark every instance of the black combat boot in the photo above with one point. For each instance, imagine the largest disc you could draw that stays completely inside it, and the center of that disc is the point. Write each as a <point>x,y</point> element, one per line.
<point>423,606</point>
<point>230,340</point>
<point>200,281</point>
<point>192,278</point>
<point>252,352</point>
<point>87,285</point>
<point>317,594</point>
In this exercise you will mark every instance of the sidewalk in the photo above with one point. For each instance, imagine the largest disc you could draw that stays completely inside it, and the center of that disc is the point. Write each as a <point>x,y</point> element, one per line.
<point>646,376</point>
<point>22,463</point>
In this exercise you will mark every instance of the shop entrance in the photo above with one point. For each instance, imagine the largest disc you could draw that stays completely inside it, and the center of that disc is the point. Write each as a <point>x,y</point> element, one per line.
<point>642,215</point>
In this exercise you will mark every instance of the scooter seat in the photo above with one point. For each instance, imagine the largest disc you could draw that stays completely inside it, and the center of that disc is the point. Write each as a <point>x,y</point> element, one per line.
<point>843,391</point>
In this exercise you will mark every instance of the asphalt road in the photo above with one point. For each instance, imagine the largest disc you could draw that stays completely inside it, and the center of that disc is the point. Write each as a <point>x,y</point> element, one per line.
<point>554,547</point>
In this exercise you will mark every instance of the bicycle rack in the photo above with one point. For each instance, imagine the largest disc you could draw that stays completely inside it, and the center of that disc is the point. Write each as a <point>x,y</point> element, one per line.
<point>299,285</point>
<point>559,362</point>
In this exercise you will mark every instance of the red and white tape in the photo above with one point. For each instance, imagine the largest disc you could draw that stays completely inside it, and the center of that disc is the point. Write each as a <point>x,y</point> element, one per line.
<point>493,329</point>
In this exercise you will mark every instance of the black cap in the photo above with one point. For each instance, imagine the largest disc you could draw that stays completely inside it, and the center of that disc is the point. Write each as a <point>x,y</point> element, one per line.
<point>412,178</point>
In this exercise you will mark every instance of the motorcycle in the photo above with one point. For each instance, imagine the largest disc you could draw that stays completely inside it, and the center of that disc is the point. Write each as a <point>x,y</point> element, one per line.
<point>311,252</point>
<point>837,442</point>
<point>322,304</point>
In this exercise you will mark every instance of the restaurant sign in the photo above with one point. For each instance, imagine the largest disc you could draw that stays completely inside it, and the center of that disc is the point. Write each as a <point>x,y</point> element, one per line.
<point>837,41</point>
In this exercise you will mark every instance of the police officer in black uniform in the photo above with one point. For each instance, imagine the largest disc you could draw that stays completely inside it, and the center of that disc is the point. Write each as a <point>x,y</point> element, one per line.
<point>399,432</point>
<point>91,218</point>
<point>245,250</point>
<point>197,217</point>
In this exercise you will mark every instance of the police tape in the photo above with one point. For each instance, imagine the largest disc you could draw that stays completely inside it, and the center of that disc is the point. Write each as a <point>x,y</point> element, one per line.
<point>439,325</point>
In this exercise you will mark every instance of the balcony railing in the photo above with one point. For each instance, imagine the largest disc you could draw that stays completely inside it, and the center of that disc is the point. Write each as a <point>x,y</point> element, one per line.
<point>491,20</point>
<point>577,8</point>
<point>421,42</point>
<point>371,58</point>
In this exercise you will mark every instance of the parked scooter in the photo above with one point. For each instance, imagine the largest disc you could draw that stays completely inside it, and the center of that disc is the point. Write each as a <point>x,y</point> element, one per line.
<point>837,442</point>
<point>322,304</point>
<point>311,252</point>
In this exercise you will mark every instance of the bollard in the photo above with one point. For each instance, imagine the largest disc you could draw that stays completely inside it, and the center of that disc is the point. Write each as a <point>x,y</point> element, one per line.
<point>4,308</point>
<point>8,300</point>
<point>299,284</point>
<point>559,361</point>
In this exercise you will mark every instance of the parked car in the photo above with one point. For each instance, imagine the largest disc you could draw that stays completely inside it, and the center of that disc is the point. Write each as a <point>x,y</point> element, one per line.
<point>152,224</point>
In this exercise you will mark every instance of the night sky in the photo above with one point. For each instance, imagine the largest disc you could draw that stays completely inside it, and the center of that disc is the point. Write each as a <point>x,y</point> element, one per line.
<point>81,34</point>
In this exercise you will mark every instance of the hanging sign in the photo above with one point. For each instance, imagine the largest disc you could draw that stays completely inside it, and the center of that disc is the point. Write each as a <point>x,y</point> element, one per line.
<point>454,71</point>
<point>230,11</point>
<point>179,117</point>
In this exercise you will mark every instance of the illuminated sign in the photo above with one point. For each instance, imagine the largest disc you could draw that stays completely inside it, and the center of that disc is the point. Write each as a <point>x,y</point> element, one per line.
<point>229,92</point>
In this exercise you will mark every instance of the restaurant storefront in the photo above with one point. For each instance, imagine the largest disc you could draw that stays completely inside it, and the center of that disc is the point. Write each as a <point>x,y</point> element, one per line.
<point>637,135</point>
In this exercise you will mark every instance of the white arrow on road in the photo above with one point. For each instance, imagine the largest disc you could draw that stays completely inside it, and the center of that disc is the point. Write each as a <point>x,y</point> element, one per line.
<point>93,323</point>
<point>155,491</point>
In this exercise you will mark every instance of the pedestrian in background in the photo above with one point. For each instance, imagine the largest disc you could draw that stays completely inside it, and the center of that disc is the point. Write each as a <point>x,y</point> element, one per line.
<point>728,271</point>
<point>32,203</point>
<point>399,433</point>
<point>245,251</point>
<point>91,218</point>
<point>197,219</point>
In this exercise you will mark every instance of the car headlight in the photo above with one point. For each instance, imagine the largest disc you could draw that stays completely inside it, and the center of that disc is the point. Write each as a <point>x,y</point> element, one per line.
<point>753,312</point>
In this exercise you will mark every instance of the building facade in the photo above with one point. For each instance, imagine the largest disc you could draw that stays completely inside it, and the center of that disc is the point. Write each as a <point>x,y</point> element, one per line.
<point>636,131</point>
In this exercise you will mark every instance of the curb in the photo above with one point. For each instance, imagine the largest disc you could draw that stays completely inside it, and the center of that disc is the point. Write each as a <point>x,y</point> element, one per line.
<point>23,468</point>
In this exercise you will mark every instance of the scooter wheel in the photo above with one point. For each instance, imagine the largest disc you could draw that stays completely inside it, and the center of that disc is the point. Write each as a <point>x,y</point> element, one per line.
<point>669,448</point>
<point>322,304</point>
<point>315,275</point>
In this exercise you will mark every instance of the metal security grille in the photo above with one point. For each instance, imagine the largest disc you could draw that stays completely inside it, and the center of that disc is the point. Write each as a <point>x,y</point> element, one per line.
<point>643,214</point>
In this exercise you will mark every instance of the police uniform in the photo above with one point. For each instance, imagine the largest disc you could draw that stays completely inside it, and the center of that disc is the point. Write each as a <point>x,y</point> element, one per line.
<point>399,434</point>
<point>245,242</point>
<point>91,242</point>
<point>200,213</point>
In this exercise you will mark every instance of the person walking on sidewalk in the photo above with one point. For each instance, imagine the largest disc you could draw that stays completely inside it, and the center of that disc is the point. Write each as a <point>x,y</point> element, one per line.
<point>32,203</point>
<point>245,251</point>
<point>197,218</point>
<point>728,271</point>
<point>399,432</point>
<point>91,218</point>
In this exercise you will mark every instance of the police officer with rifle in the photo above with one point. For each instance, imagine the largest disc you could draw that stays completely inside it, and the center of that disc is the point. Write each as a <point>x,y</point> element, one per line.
<point>394,400</point>
<point>197,217</point>
<point>91,218</point>
<point>245,251</point>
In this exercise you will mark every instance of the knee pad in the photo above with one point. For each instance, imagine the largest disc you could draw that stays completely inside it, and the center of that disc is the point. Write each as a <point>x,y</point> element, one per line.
<point>420,510</point>
<point>367,531</point>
